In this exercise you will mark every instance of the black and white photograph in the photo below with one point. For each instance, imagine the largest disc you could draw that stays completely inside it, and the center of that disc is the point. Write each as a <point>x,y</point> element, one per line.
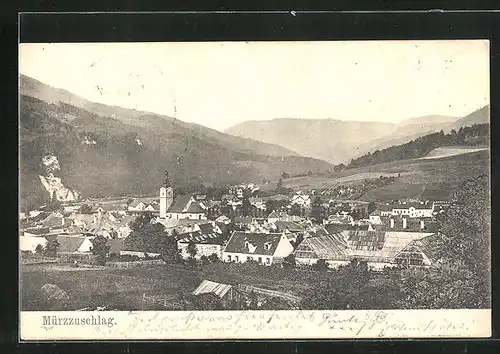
<point>254,177</point>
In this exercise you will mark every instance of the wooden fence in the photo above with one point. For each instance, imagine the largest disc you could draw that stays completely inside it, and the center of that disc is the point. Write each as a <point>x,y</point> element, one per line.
<point>155,300</point>
<point>131,264</point>
<point>267,292</point>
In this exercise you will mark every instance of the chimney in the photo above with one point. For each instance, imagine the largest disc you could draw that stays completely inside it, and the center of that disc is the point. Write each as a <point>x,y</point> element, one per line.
<point>422,225</point>
<point>392,223</point>
<point>404,223</point>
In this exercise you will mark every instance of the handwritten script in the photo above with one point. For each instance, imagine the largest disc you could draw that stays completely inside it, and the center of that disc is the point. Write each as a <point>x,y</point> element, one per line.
<point>285,324</point>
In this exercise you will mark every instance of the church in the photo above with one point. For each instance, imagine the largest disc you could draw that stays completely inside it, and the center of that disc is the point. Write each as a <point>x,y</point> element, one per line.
<point>183,207</point>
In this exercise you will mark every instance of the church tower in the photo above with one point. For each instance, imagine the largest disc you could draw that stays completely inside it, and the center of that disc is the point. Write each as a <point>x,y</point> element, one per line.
<point>166,196</point>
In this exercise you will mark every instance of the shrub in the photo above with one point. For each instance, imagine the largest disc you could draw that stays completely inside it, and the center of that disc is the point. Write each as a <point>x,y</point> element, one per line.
<point>213,258</point>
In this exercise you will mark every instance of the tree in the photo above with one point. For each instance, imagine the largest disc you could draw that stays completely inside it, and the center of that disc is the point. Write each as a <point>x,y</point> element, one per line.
<point>85,209</point>
<point>53,205</point>
<point>213,258</point>
<point>348,287</point>
<point>152,237</point>
<point>51,248</point>
<point>295,210</point>
<point>279,185</point>
<point>246,207</point>
<point>309,173</point>
<point>39,249</point>
<point>298,241</point>
<point>285,175</point>
<point>371,207</point>
<point>289,261</point>
<point>100,248</point>
<point>191,249</point>
<point>461,276</point>
<point>317,209</point>
<point>320,265</point>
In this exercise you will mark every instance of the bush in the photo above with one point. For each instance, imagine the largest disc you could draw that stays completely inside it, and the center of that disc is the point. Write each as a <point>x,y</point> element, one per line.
<point>213,258</point>
<point>204,260</point>
<point>320,266</point>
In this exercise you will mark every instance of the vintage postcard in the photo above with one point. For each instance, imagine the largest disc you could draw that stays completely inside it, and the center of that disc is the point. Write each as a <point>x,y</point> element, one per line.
<point>239,190</point>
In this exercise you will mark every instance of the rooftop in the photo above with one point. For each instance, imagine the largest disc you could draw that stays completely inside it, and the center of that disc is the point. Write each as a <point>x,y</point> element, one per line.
<point>255,241</point>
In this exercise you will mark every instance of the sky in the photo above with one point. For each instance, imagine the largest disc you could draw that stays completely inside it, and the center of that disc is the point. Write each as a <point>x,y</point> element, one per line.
<point>220,84</point>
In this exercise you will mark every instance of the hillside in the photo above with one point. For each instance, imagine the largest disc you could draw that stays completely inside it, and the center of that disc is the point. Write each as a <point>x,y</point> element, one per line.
<point>340,141</point>
<point>70,105</point>
<point>480,116</point>
<point>477,134</point>
<point>432,179</point>
<point>103,156</point>
<point>327,139</point>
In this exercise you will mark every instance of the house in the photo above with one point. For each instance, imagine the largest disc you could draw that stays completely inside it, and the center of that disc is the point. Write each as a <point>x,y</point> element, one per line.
<point>387,248</point>
<point>413,209</point>
<point>30,243</point>
<point>385,209</point>
<point>212,207</point>
<point>331,248</point>
<point>257,203</point>
<point>137,205</point>
<point>223,295</point>
<point>278,216</point>
<point>405,223</point>
<point>242,221</point>
<point>375,217</point>
<point>86,221</point>
<point>207,244</point>
<point>181,226</point>
<point>186,207</point>
<point>316,231</point>
<point>288,226</point>
<point>302,200</point>
<point>223,219</point>
<point>36,231</point>
<point>74,244</point>
<point>339,219</point>
<point>110,226</point>
<point>53,220</point>
<point>264,248</point>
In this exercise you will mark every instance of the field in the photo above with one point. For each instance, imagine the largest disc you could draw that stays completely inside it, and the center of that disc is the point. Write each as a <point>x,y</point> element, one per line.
<point>425,178</point>
<point>450,151</point>
<point>122,289</point>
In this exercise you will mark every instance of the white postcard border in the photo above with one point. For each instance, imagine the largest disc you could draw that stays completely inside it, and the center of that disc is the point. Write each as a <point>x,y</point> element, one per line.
<point>216,325</point>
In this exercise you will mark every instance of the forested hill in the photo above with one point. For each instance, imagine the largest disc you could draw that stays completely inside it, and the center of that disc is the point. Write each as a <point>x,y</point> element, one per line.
<point>477,134</point>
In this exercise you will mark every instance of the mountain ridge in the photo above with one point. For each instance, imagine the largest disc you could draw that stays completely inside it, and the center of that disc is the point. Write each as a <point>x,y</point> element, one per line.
<point>351,138</point>
<point>101,156</point>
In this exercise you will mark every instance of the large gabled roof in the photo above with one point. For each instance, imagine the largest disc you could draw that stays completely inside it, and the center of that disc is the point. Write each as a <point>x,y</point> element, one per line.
<point>200,237</point>
<point>237,243</point>
<point>380,246</point>
<point>69,243</point>
<point>186,204</point>
<point>329,247</point>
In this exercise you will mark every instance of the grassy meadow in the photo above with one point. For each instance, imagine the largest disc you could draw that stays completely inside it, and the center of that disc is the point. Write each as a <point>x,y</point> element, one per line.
<point>417,178</point>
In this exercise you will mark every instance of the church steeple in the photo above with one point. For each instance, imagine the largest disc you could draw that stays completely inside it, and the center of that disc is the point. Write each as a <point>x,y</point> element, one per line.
<point>166,196</point>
